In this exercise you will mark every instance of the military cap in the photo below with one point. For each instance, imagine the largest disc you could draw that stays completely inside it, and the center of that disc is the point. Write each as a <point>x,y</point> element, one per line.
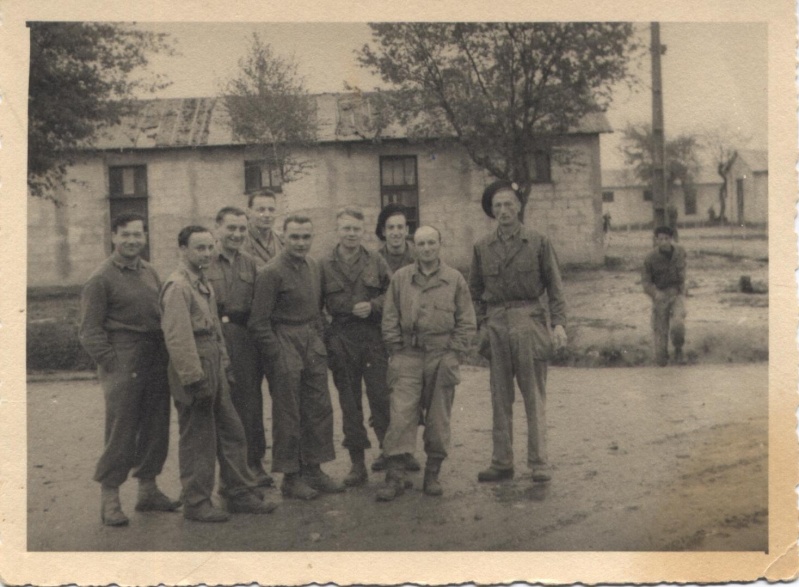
<point>488,194</point>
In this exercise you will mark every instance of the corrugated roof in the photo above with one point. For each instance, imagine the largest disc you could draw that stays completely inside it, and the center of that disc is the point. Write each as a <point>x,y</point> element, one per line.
<point>756,159</point>
<point>204,122</point>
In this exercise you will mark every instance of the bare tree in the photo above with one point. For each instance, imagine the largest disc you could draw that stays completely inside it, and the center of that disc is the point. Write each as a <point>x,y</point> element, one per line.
<point>721,143</point>
<point>269,107</point>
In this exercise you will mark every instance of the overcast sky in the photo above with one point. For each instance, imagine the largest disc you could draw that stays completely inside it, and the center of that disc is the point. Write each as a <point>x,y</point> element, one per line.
<point>713,73</point>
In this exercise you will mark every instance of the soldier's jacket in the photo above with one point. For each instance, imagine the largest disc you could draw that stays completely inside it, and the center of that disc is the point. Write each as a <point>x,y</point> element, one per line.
<point>521,270</point>
<point>118,296</point>
<point>261,251</point>
<point>344,285</point>
<point>428,312</point>
<point>287,291</point>
<point>233,282</point>
<point>398,261</point>
<point>188,310</point>
<point>664,272</point>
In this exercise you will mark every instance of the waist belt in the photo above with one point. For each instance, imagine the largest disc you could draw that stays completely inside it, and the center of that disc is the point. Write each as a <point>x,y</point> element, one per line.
<point>290,322</point>
<point>204,335</point>
<point>239,318</point>
<point>133,335</point>
<point>513,304</point>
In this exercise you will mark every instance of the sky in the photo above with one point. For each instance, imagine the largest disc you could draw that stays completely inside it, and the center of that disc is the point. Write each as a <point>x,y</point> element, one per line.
<point>714,74</point>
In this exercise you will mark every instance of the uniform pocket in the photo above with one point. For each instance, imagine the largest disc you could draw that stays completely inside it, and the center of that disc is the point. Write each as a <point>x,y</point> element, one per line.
<point>449,370</point>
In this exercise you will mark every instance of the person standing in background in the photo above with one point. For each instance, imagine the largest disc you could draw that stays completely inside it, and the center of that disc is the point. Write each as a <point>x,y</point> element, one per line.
<point>261,242</point>
<point>392,229</point>
<point>663,279</point>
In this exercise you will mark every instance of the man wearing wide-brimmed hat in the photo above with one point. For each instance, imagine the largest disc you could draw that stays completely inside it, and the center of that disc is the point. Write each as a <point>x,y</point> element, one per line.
<point>512,268</point>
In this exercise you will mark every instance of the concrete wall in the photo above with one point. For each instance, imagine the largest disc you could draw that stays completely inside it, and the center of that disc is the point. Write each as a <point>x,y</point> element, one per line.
<point>755,185</point>
<point>630,208</point>
<point>188,186</point>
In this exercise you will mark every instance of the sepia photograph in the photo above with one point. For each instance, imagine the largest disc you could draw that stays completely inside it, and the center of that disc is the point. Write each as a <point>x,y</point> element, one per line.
<point>493,286</point>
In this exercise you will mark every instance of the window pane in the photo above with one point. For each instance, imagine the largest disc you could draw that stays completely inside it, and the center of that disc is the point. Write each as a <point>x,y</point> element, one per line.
<point>115,181</point>
<point>252,176</point>
<point>410,172</point>
<point>128,188</point>
<point>140,181</point>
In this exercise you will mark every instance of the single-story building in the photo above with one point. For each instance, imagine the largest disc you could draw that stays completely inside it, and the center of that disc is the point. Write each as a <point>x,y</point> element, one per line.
<point>177,162</point>
<point>628,200</point>
<point>747,187</point>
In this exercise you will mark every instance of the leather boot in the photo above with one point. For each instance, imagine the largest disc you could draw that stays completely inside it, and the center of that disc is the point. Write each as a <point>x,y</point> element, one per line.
<point>110,509</point>
<point>152,499</point>
<point>431,484</point>
<point>395,484</point>
<point>678,356</point>
<point>319,480</point>
<point>357,475</point>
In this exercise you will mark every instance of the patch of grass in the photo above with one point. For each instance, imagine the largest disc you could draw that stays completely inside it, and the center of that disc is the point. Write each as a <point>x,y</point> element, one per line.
<point>54,346</point>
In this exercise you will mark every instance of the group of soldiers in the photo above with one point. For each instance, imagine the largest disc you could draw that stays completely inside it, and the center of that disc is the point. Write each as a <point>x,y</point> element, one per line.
<point>244,304</point>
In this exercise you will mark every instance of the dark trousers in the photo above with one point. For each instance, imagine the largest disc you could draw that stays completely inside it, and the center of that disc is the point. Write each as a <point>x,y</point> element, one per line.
<point>356,353</point>
<point>302,415</point>
<point>136,409</point>
<point>246,393</point>
<point>668,318</point>
<point>209,432</point>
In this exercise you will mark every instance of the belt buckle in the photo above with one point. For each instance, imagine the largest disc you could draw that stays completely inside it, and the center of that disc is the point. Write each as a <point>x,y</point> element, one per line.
<point>225,319</point>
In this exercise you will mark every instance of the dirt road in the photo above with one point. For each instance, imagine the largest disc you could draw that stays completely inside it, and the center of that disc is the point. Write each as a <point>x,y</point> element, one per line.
<point>646,459</point>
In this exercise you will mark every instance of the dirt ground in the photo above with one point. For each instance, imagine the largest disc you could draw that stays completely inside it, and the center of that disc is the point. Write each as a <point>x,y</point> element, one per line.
<point>646,459</point>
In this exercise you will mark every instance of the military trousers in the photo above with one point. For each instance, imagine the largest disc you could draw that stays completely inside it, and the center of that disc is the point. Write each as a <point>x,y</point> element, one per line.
<point>211,431</point>
<point>302,413</point>
<point>520,347</point>
<point>421,384</point>
<point>668,318</point>
<point>356,354</point>
<point>246,393</point>
<point>136,409</point>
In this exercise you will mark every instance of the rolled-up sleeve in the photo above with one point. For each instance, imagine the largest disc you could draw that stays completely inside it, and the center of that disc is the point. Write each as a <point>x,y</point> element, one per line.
<point>179,333</point>
<point>92,334</point>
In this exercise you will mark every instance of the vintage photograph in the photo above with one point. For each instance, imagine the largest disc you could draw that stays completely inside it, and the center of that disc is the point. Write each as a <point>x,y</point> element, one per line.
<point>318,289</point>
<point>320,301</point>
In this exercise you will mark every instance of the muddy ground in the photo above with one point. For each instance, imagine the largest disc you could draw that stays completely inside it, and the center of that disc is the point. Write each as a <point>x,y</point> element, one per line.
<point>645,459</point>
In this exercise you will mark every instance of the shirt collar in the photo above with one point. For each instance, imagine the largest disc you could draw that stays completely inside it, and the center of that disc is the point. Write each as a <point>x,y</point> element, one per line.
<point>292,261</point>
<point>512,235</point>
<point>122,263</point>
<point>221,255</point>
<point>439,272</point>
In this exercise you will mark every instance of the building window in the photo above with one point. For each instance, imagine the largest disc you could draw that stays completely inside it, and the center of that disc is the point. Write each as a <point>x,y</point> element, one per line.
<point>607,197</point>
<point>647,195</point>
<point>541,168</point>
<point>262,174</point>
<point>690,202</point>
<point>127,192</point>
<point>399,185</point>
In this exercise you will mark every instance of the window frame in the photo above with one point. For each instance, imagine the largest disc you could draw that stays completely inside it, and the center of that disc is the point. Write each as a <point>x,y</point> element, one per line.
<point>137,202</point>
<point>386,191</point>
<point>262,165</point>
<point>608,197</point>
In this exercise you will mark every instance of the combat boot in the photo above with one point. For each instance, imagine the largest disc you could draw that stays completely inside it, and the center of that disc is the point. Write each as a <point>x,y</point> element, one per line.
<point>431,484</point>
<point>319,480</point>
<point>357,475</point>
<point>395,484</point>
<point>110,509</point>
<point>152,499</point>
<point>411,464</point>
<point>295,487</point>
<point>249,503</point>
<point>205,512</point>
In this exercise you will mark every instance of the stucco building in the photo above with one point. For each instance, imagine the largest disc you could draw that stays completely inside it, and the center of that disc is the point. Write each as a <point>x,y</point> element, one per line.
<point>747,187</point>
<point>177,161</point>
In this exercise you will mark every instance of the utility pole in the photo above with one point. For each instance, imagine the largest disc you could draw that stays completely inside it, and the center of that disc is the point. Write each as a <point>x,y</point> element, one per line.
<point>659,195</point>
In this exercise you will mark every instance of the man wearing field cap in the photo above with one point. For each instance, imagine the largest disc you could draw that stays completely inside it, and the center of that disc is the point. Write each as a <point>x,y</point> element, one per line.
<point>513,268</point>
<point>663,279</point>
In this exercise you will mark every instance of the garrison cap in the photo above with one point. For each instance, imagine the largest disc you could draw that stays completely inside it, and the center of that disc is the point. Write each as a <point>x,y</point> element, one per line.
<point>488,194</point>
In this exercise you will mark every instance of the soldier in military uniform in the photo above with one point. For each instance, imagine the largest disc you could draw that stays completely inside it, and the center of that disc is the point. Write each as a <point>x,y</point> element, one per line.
<point>512,268</point>
<point>287,324</point>
<point>428,323</point>
<point>354,283</point>
<point>261,242</point>
<point>232,273</point>
<point>392,229</point>
<point>199,377</point>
